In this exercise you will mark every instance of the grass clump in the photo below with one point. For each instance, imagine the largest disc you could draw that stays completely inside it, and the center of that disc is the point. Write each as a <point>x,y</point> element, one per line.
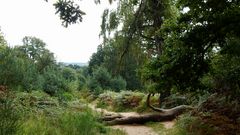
<point>67,123</point>
<point>111,131</point>
<point>142,107</point>
<point>64,121</point>
<point>39,125</point>
<point>83,123</point>
<point>9,118</point>
<point>186,124</point>
<point>157,127</point>
<point>190,125</point>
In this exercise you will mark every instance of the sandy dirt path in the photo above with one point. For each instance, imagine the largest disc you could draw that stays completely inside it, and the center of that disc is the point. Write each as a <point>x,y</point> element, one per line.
<point>132,129</point>
<point>135,129</point>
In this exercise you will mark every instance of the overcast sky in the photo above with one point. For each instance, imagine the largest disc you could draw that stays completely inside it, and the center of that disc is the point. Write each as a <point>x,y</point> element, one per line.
<point>19,18</point>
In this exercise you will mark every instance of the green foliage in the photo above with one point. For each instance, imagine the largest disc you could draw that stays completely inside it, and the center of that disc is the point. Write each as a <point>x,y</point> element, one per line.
<point>22,67</point>
<point>53,82</point>
<point>113,21</point>
<point>35,49</point>
<point>37,102</point>
<point>127,100</point>
<point>71,78</point>
<point>72,86</point>
<point>129,72</point>
<point>69,12</point>
<point>81,82</point>
<point>8,63</point>
<point>111,131</point>
<point>137,36</point>
<point>96,59</point>
<point>74,123</point>
<point>192,43</point>
<point>225,69</point>
<point>108,56</point>
<point>38,125</point>
<point>70,124</point>
<point>120,101</point>
<point>118,83</point>
<point>106,99</point>
<point>104,26</point>
<point>66,96</point>
<point>41,117</point>
<point>190,125</point>
<point>69,74</point>
<point>103,80</point>
<point>9,117</point>
<point>3,42</point>
<point>187,43</point>
<point>17,70</point>
<point>103,77</point>
<point>142,107</point>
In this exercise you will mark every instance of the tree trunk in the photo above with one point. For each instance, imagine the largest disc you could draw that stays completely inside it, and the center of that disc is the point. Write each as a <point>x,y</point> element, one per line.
<point>166,115</point>
<point>160,115</point>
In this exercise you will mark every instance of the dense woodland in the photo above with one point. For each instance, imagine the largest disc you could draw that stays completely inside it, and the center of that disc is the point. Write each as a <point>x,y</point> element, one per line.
<point>169,60</point>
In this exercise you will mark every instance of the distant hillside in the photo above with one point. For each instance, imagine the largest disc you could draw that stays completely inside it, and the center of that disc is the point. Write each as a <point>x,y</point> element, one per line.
<point>75,63</point>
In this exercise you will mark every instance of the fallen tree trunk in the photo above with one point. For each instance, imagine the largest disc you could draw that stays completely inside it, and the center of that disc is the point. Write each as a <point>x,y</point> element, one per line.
<point>111,117</point>
<point>160,115</point>
<point>166,115</point>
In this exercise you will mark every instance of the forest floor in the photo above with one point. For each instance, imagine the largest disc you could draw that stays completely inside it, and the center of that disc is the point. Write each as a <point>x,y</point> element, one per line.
<point>133,129</point>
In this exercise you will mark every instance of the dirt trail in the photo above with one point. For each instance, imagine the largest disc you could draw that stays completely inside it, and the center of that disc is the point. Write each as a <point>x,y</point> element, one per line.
<point>136,129</point>
<point>132,129</point>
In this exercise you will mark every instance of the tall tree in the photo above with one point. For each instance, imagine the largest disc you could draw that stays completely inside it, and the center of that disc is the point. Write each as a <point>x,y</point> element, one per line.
<point>35,49</point>
<point>191,41</point>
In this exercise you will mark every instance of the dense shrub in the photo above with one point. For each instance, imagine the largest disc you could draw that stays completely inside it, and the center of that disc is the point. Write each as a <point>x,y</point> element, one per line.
<point>101,80</point>
<point>118,83</point>
<point>225,74</point>
<point>36,102</point>
<point>127,100</point>
<point>69,74</point>
<point>123,101</point>
<point>190,125</point>
<point>17,70</point>
<point>106,99</point>
<point>79,124</point>
<point>53,82</point>
<point>81,82</point>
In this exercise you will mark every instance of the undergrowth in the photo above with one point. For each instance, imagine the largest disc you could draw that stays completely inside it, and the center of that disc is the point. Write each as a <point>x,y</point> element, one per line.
<point>67,123</point>
<point>120,101</point>
<point>37,113</point>
<point>9,118</point>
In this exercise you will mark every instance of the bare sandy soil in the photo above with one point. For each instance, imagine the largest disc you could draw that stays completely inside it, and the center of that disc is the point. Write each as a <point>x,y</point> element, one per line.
<point>136,129</point>
<point>168,124</point>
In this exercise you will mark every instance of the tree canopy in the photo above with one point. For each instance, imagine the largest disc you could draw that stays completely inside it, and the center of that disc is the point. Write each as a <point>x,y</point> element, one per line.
<point>182,41</point>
